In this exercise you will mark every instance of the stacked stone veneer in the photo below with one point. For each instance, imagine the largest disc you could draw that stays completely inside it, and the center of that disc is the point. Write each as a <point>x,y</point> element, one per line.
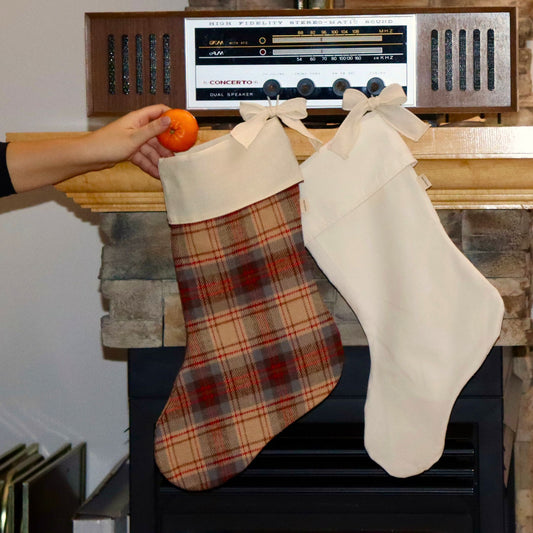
<point>138,276</point>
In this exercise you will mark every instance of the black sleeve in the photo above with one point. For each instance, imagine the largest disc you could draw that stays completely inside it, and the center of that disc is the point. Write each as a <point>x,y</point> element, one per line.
<point>6,187</point>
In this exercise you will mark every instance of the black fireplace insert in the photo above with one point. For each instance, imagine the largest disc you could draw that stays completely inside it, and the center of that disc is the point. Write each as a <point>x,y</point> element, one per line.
<point>316,476</point>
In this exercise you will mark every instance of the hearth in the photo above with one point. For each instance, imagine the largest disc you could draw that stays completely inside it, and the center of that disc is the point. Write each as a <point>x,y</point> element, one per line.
<point>316,476</point>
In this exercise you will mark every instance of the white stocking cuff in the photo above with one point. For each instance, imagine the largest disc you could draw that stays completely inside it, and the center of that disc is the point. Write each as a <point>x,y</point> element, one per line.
<point>335,186</point>
<point>222,176</point>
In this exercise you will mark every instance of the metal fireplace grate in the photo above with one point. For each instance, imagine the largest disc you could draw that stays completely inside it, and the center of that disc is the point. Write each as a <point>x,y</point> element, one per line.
<point>322,457</point>
<point>317,469</point>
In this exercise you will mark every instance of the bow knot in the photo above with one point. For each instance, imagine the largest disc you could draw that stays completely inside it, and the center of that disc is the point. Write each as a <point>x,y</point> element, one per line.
<point>372,103</point>
<point>387,104</point>
<point>272,110</point>
<point>290,112</point>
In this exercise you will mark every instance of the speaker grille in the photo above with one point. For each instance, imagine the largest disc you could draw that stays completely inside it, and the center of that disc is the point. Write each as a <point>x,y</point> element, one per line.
<point>464,60</point>
<point>451,59</point>
<point>133,61</point>
<point>155,44</point>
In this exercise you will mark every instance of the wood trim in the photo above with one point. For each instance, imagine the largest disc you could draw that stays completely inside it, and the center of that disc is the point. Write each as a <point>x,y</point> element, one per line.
<point>469,168</point>
<point>351,11</point>
<point>447,199</point>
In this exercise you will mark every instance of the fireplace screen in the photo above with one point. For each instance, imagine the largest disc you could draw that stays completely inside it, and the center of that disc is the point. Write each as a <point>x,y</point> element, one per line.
<point>316,476</point>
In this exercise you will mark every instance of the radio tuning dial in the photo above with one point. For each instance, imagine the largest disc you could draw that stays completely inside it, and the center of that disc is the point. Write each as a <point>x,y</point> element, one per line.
<point>340,85</point>
<point>374,86</point>
<point>305,87</point>
<point>271,88</point>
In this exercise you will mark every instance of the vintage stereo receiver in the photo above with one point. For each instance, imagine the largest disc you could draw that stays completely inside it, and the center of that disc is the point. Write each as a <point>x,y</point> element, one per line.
<point>453,60</point>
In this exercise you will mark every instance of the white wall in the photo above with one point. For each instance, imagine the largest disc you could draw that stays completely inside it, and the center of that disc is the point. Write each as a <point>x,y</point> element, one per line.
<point>56,382</point>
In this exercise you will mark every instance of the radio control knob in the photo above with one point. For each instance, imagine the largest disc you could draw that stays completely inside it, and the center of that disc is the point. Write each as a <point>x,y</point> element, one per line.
<point>271,88</point>
<point>374,86</point>
<point>340,85</point>
<point>305,87</point>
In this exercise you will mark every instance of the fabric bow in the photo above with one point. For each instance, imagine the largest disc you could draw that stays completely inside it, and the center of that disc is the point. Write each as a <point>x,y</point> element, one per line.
<point>387,105</point>
<point>290,113</point>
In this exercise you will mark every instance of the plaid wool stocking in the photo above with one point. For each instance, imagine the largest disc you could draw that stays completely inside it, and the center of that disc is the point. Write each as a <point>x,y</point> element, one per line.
<point>262,349</point>
<point>430,317</point>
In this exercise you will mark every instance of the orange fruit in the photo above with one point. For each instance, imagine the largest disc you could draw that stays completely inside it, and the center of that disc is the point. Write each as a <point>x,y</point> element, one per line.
<point>182,132</point>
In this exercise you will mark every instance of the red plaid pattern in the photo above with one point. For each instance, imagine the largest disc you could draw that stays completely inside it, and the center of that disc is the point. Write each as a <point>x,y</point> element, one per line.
<point>262,349</point>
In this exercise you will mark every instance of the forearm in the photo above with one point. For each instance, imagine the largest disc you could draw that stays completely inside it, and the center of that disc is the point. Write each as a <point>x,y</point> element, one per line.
<point>35,164</point>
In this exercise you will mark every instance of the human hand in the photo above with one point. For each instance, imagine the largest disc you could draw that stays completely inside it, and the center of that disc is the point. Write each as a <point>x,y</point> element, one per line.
<point>133,137</point>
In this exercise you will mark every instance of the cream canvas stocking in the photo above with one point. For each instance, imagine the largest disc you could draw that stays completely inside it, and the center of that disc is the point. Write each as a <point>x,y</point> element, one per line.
<point>430,317</point>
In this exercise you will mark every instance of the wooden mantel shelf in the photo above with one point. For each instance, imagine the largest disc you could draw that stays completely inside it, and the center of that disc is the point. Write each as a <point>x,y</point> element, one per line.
<point>482,167</point>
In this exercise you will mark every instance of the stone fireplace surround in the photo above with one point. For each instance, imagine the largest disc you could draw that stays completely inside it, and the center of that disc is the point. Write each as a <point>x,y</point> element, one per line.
<point>482,187</point>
